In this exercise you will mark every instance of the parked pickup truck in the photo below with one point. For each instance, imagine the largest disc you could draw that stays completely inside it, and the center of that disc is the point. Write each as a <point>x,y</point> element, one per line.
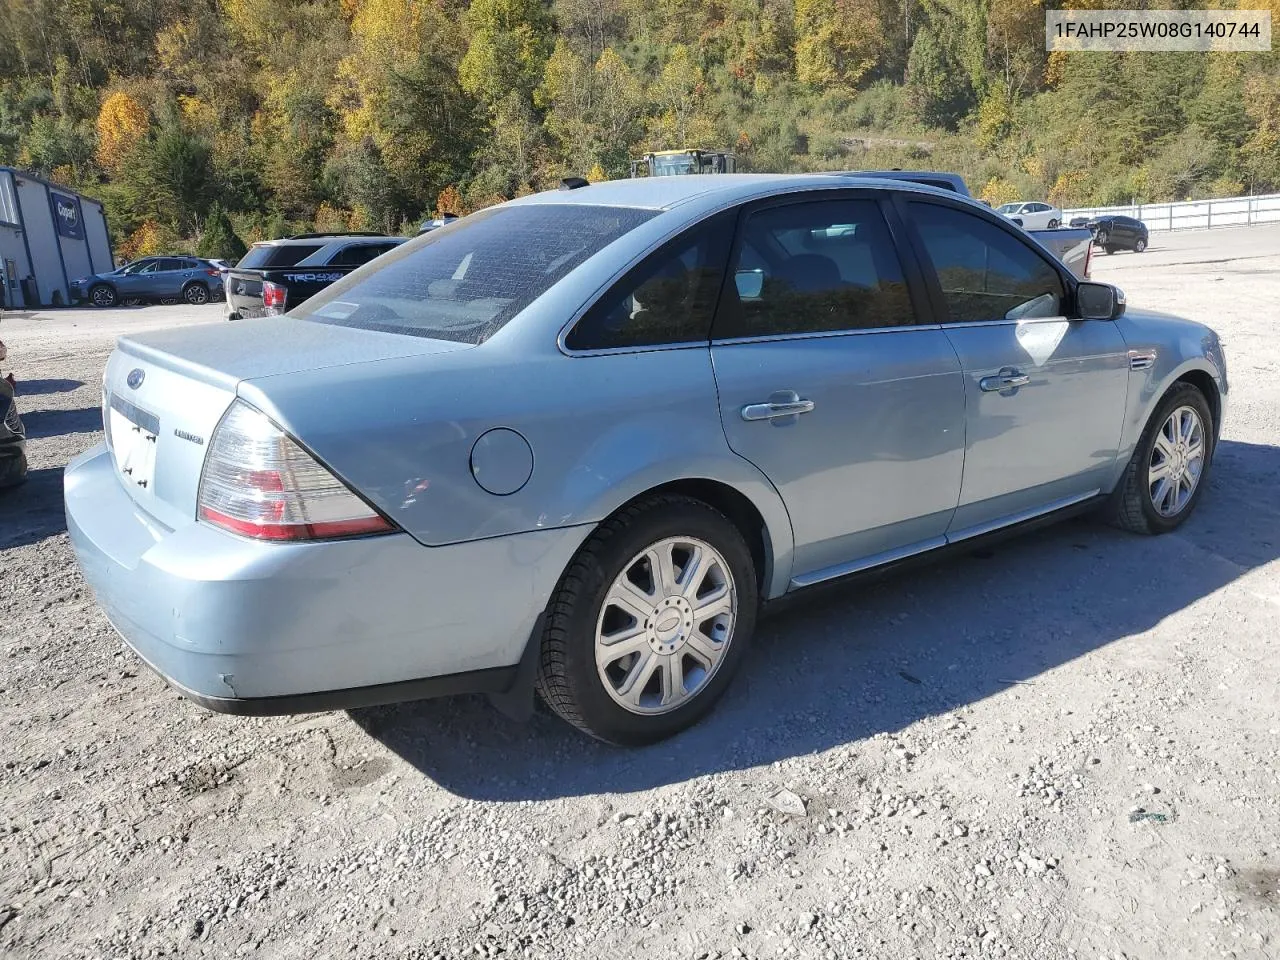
<point>1074,247</point>
<point>277,275</point>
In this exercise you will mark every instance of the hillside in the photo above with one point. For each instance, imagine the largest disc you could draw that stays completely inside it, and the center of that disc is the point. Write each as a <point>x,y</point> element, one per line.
<point>271,115</point>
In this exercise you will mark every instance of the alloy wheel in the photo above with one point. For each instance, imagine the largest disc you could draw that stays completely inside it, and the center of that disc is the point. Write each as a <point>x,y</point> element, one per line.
<point>1177,461</point>
<point>665,625</point>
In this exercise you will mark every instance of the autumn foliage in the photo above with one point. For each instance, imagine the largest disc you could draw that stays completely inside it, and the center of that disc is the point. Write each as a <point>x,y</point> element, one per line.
<point>223,120</point>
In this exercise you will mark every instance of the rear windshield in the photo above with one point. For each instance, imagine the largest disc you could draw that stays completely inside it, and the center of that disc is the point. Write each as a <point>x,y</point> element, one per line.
<point>464,281</point>
<point>277,254</point>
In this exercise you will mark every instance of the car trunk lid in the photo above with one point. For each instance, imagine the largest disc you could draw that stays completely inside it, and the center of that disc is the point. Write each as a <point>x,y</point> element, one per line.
<point>165,392</point>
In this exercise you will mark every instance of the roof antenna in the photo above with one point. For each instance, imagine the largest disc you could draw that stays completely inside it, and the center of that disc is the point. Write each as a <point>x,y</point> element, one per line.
<point>574,183</point>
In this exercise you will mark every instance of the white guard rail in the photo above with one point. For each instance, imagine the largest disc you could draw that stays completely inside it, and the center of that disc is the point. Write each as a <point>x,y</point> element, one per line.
<point>1193,214</point>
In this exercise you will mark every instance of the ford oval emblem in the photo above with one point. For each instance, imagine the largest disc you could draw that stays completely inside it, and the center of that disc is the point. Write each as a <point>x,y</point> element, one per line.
<point>135,378</point>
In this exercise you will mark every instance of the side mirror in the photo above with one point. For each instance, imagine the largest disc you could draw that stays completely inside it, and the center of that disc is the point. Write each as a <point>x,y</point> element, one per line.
<point>1099,301</point>
<point>749,283</point>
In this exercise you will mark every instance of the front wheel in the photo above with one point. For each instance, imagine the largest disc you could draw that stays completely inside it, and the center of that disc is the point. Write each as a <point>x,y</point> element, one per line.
<point>649,622</point>
<point>102,296</point>
<point>1140,245</point>
<point>1166,475</point>
<point>1054,224</point>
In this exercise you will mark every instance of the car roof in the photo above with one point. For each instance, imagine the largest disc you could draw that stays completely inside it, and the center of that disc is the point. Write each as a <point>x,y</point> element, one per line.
<point>665,193</point>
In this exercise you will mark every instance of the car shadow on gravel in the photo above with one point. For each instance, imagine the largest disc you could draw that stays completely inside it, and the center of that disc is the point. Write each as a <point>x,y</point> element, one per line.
<point>57,423</point>
<point>31,388</point>
<point>32,511</point>
<point>864,659</point>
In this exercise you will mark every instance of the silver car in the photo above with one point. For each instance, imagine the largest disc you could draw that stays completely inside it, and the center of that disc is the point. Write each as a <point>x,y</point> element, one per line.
<point>574,441</point>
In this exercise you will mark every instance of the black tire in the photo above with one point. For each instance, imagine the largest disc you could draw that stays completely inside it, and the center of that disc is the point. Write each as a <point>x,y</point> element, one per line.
<point>1054,224</point>
<point>196,294</point>
<point>1108,250</point>
<point>102,295</point>
<point>1101,238</point>
<point>568,679</point>
<point>1140,245</point>
<point>1130,506</point>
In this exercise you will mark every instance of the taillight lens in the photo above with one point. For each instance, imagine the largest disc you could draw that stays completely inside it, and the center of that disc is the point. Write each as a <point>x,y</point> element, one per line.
<point>259,483</point>
<point>1088,259</point>
<point>273,296</point>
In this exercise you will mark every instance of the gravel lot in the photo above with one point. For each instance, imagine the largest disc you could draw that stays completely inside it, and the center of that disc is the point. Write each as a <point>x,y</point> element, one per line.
<point>1063,747</point>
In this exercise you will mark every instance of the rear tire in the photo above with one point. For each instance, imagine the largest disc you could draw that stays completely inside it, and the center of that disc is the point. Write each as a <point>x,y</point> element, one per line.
<point>676,666</point>
<point>1140,503</point>
<point>1054,224</point>
<point>195,294</point>
<point>102,295</point>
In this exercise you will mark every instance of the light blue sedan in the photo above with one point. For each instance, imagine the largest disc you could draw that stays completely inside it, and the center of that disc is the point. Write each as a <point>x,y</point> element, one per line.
<point>573,442</point>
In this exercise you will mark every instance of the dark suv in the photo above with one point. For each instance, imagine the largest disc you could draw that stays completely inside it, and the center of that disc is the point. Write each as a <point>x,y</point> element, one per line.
<point>1117,232</point>
<point>277,275</point>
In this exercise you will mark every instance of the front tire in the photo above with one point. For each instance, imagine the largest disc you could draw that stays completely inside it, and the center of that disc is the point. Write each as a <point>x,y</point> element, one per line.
<point>649,622</point>
<point>103,295</point>
<point>196,294</point>
<point>1167,473</point>
<point>1101,238</point>
<point>1054,224</point>
<point>1140,245</point>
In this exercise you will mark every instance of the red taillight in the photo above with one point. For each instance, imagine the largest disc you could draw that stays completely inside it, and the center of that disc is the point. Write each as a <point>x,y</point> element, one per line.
<point>1088,258</point>
<point>213,273</point>
<point>273,297</point>
<point>258,482</point>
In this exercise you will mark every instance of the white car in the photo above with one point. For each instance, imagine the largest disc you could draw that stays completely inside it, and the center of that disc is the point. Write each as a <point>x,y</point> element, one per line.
<point>1034,216</point>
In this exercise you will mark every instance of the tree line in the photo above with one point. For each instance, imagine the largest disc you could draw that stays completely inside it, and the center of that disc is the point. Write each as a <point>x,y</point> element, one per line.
<point>202,123</point>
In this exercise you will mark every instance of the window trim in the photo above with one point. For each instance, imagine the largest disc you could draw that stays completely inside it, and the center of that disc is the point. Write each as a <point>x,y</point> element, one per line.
<point>729,213</point>
<point>921,305</point>
<point>940,310</point>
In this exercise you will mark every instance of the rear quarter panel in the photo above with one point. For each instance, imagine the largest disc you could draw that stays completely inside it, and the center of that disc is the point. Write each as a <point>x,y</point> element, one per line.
<point>603,430</point>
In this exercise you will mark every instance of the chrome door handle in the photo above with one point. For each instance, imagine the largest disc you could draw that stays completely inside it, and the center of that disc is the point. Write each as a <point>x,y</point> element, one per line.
<point>1004,381</point>
<point>784,403</point>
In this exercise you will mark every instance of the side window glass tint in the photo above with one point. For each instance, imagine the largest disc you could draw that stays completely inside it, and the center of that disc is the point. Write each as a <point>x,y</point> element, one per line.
<point>669,298</point>
<point>358,253</point>
<point>815,267</point>
<point>985,272</point>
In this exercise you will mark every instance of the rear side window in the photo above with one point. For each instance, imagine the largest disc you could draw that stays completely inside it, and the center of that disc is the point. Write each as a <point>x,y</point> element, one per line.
<point>464,281</point>
<point>353,255</point>
<point>984,271</point>
<point>669,298</point>
<point>815,267</point>
<point>277,254</point>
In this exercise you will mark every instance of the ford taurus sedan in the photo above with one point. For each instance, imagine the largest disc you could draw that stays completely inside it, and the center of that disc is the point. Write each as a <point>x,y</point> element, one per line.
<point>574,441</point>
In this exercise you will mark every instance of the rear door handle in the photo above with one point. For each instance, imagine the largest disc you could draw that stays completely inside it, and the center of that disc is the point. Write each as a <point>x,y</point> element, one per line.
<point>1004,380</point>
<point>784,403</point>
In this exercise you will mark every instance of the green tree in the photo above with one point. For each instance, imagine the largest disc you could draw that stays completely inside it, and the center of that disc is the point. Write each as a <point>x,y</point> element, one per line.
<point>218,240</point>
<point>510,43</point>
<point>936,87</point>
<point>839,42</point>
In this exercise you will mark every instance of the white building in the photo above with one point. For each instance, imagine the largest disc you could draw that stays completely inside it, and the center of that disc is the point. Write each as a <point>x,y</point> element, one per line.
<point>48,236</point>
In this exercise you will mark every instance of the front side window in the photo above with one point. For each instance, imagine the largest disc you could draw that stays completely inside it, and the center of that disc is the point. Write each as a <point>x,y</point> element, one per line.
<point>815,267</point>
<point>984,271</point>
<point>669,298</point>
<point>464,281</point>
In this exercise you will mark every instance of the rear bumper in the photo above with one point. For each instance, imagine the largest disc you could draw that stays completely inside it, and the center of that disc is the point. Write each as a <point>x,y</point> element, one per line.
<point>253,628</point>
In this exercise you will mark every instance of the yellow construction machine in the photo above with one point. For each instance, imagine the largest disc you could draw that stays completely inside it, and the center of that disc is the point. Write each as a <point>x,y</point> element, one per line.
<point>668,163</point>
